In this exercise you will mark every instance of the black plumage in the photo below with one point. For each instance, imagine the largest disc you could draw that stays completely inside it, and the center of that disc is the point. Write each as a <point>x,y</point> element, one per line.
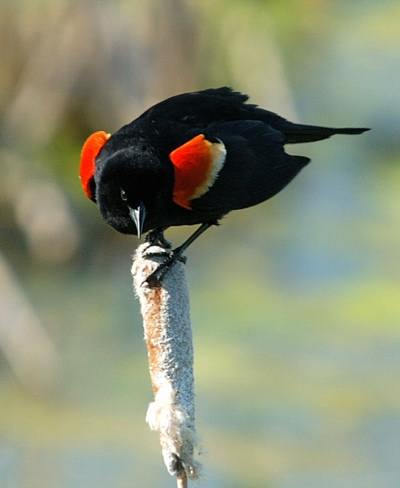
<point>134,167</point>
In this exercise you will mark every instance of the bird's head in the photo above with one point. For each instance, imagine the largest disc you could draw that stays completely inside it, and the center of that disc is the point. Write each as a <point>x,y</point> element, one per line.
<point>127,182</point>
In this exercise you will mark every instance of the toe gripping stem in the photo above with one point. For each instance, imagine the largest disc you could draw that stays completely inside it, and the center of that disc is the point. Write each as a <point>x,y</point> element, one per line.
<point>171,256</point>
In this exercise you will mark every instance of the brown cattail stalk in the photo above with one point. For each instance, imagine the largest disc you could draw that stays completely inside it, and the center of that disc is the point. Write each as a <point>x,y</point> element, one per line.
<point>168,336</point>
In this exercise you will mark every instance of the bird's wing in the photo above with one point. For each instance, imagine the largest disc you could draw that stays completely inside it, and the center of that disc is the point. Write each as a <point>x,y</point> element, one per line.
<point>201,108</point>
<point>232,165</point>
<point>196,164</point>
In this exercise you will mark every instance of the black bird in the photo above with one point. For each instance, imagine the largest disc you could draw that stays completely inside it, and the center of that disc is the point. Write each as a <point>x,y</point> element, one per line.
<point>191,159</point>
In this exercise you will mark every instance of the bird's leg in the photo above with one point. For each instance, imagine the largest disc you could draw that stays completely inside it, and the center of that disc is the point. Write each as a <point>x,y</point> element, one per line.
<point>154,279</point>
<point>156,237</point>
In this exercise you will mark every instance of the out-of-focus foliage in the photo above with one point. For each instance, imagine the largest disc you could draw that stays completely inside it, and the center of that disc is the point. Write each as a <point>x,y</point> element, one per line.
<point>296,303</point>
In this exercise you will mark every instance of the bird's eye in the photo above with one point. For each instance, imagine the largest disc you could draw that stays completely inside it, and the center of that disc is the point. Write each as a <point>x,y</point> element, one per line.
<point>124,196</point>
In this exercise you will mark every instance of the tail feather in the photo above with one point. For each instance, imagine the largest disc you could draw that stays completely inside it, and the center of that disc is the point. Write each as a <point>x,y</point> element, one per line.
<point>296,133</point>
<point>351,130</point>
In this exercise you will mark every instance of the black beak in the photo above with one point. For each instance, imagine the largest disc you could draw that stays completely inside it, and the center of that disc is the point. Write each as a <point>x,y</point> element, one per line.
<point>138,215</point>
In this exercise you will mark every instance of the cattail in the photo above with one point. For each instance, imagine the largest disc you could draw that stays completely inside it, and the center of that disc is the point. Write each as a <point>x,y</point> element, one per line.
<point>168,336</point>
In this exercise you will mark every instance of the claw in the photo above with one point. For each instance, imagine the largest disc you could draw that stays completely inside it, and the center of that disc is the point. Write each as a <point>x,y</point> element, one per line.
<point>155,278</point>
<point>156,237</point>
<point>152,281</point>
<point>157,254</point>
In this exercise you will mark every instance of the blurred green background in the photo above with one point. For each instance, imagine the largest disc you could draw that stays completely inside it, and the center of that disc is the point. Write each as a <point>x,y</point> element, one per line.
<point>295,303</point>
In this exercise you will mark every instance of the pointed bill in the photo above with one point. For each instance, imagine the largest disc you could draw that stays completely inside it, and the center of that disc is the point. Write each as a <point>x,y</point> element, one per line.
<point>138,215</point>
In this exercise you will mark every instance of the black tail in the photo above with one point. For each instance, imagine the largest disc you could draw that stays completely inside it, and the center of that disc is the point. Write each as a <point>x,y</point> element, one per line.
<point>296,133</point>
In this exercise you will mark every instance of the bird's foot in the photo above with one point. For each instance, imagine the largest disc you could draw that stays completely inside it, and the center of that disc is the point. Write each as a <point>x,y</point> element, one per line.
<point>154,279</point>
<point>171,257</point>
<point>156,238</point>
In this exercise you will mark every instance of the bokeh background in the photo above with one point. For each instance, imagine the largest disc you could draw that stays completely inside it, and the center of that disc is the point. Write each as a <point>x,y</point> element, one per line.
<point>295,303</point>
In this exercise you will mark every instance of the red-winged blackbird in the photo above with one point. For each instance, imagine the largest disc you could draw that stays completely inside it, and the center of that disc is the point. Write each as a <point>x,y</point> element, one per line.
<point>191,159</point>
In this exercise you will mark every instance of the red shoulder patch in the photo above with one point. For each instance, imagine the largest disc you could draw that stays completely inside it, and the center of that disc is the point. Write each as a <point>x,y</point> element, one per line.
<point>196,166</point>
<point>90,150</point>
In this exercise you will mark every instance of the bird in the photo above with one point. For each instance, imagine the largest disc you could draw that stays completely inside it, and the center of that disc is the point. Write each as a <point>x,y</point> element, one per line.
<point>191,159</point>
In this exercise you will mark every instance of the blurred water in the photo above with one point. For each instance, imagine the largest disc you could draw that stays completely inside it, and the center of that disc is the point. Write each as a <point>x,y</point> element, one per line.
<point>295,303</point>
